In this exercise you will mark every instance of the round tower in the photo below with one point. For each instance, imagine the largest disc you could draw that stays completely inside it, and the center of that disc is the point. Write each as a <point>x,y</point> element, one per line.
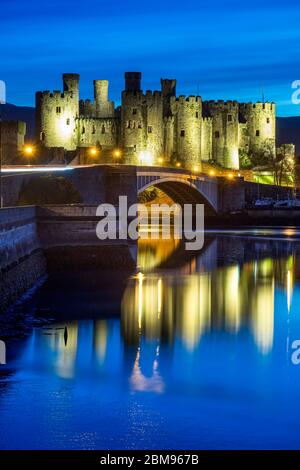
<point>133,125</point>
<point>188,130</point>
<point>225,132</point>
<point>57,113</point>
<point>261,125</point>
<point>103,107</point>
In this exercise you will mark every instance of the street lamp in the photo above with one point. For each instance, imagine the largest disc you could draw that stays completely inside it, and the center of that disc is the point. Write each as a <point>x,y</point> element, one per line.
<point>117,153</point>
<point>28,151</point>
<point>93,152</point>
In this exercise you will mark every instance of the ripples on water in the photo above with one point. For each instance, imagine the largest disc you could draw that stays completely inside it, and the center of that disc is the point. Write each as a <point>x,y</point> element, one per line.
<point>188,352</point>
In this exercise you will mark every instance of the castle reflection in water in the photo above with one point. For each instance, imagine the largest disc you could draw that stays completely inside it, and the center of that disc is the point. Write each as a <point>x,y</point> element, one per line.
<point>229,289</point>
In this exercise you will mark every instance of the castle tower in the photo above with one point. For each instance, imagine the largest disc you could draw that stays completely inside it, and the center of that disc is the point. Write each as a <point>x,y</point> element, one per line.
<point>57,113</point>
<point>206,139</point>
<point>133,118</point>
<point>71,84</point>
<point>133,81</point>
<point>225,132</point>
<point>154,125</point>
<point>261,125</point>
<point>168,89</point>
<point>103,107</point>
<point>188,122</point>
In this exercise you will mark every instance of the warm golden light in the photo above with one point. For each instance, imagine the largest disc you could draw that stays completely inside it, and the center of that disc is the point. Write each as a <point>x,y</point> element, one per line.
<point>230,175</point>
<point>196,169</point>
<point>212,172</point>
<point>160,160</point>
<point>178,164</point>
<point>93,152</point>
<point>117,153</point>
<point>28,150</point>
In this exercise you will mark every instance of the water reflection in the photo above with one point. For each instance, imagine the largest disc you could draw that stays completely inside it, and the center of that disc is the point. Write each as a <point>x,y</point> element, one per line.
<point>62,340</point>
<point>199,343</point>
<point>162,305</point>
<point>203,297</point>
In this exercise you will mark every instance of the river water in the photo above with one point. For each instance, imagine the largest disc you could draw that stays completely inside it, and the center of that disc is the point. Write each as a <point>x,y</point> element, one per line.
<point>193,352</point>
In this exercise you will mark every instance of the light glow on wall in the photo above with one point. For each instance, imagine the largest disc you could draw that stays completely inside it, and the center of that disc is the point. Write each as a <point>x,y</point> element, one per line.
<point>146,158</point>
<point>64,129</point>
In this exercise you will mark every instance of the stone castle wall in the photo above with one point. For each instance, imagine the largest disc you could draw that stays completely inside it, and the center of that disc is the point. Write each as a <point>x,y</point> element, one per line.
<point>154,126</point>
<point>12,140</point>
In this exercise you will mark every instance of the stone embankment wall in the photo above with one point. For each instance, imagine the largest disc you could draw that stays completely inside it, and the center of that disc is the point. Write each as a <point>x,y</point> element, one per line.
<point>21,259</point>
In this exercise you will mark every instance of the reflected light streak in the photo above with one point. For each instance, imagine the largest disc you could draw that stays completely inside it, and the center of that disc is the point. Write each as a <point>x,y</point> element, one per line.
<point>232,297</point>
<point>263,315</point>
<point>159,297</point>
<point>289,289</point>
<point>140,301</point>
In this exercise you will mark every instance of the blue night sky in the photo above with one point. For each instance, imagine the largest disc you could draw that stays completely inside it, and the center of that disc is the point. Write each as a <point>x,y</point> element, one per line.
<point>223,50</point>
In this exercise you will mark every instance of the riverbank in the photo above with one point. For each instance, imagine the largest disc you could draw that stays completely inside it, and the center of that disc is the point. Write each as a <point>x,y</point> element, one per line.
<point>255,218</point>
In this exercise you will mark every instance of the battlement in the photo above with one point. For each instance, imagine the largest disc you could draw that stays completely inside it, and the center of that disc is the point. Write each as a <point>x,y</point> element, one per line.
<point>46,94</point>
<point>155,94</point>
<point>270,106</point>
<point>71,76</point>
<point>221,104</point>
<point>139,95</point>
<point>192,99</point>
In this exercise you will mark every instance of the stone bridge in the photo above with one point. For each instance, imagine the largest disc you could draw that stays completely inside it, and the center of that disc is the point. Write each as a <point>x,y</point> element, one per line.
<point>105,183</point>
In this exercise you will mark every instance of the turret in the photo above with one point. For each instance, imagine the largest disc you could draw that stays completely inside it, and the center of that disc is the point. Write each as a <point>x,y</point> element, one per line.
<point>104,107</point>
<point>133,81</point>
<point>168,89</point>
<point>71,83</point>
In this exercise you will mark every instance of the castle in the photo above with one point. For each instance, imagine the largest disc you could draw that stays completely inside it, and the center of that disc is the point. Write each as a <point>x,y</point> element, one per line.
<point>154,126</point>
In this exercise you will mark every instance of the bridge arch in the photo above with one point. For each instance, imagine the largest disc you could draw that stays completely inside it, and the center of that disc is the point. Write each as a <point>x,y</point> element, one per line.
<point>182,191</point>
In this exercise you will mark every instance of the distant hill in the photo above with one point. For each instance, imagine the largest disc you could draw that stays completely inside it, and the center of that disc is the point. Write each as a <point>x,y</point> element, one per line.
<point>10,112</point>
<point>288,129</point>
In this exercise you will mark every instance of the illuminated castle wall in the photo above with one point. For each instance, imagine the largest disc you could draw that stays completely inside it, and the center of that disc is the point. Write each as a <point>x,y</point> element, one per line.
<point>150,125</point>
